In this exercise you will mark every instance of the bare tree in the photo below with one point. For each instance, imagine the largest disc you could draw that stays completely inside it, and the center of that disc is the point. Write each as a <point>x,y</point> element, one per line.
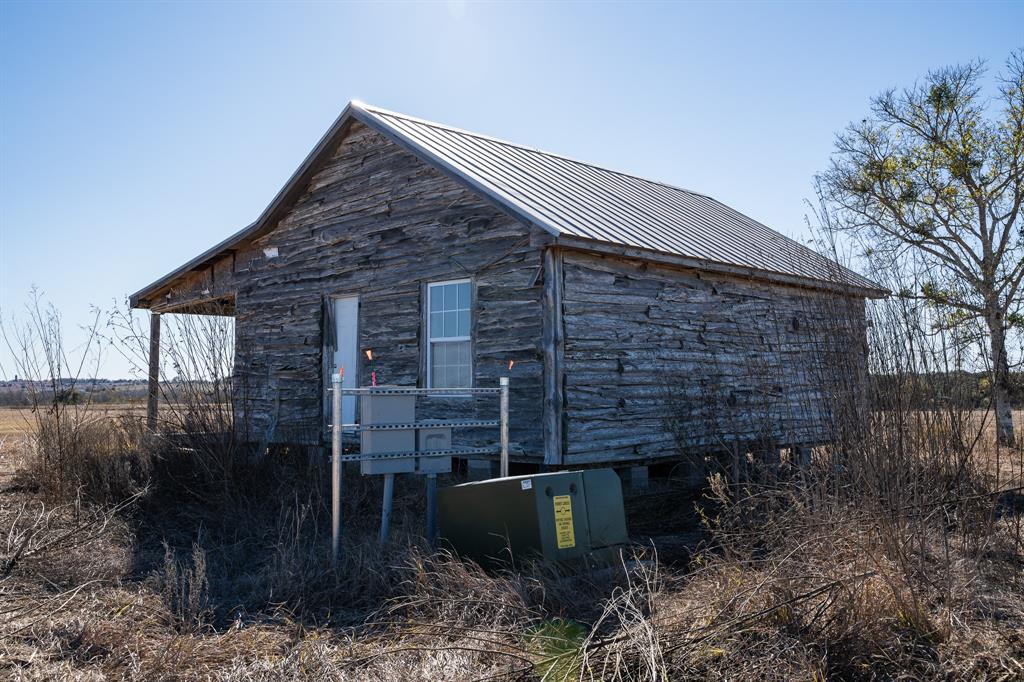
<point>931,182</point>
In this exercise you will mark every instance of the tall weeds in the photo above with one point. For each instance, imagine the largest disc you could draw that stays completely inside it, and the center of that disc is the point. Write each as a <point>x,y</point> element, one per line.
<point>882,554</point>
<point>77,451</point>
<point>893,551</point>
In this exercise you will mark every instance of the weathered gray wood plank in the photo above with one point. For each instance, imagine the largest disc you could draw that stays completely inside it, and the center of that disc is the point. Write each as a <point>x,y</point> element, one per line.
<point>659,359</point>
<point>553,348</point>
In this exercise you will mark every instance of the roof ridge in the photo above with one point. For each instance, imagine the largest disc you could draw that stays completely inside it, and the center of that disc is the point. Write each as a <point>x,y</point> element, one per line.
<point>462,131</point>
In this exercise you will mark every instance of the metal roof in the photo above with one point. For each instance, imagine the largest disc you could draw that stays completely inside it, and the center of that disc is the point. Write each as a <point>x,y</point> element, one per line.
<point>570,197</point>
<point>576,202</point>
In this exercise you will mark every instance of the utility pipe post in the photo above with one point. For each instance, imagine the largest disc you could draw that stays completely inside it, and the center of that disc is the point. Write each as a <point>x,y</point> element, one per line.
<point>336,469</point>
<point>385,511</point>
<point>432,509</point>
<point>503,383</point>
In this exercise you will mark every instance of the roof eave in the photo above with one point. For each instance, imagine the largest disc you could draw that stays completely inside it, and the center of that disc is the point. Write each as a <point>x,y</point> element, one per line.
<point>265,222</point>
<point>353,111</point>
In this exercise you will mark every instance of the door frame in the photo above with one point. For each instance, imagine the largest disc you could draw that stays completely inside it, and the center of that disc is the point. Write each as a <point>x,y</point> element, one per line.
<point>351,374</point>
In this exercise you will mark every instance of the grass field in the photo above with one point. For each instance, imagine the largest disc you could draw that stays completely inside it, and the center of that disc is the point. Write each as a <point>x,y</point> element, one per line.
<point>15,421</point>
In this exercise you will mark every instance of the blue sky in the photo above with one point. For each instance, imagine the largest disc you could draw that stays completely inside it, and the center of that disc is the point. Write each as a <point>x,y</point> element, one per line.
<point>134,136</point>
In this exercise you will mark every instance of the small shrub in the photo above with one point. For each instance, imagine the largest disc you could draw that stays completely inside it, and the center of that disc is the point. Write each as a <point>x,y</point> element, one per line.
<point>556,648</point>
<point>103,458</point>
<point>185,589</point>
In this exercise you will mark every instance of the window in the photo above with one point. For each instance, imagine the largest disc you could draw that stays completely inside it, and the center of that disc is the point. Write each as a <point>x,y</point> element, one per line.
<point>448,335</point>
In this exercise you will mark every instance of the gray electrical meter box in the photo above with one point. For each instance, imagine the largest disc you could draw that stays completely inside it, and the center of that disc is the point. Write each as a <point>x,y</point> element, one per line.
<point>394,415</point>
<point>383,409</point>
<point>559,516</point>
<point>428,438</point>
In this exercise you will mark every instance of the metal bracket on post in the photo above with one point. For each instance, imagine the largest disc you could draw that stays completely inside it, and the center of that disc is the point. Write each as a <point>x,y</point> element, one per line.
<point>336,467</point>
<point>503,383</point>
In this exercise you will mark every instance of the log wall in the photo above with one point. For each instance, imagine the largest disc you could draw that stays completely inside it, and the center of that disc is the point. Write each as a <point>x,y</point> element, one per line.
<point>379,223</point>
<point>659,360</point>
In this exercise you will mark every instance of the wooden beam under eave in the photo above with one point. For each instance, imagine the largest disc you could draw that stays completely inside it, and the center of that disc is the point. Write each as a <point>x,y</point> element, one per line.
<point>553,346</point>
<point>219,304</point>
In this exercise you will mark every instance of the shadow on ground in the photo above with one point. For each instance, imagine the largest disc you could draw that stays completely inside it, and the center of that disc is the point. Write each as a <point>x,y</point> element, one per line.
<point>253,543</point>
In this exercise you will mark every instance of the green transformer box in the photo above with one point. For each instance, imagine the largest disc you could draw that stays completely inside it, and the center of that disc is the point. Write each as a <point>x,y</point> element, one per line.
<point>559,516</point>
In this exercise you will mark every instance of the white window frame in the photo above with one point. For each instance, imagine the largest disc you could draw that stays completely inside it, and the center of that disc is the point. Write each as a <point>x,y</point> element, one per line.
<point>431,341</point>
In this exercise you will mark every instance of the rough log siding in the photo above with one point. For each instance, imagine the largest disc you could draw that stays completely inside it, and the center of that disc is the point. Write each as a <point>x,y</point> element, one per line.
<point>378,223</point>
<point>659,360</point>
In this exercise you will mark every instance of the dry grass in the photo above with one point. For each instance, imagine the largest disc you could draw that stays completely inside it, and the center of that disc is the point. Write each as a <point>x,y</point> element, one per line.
<point>220,572</point>
<point>1002,461</point>
<point>143,593</point>
<point>896,555</point>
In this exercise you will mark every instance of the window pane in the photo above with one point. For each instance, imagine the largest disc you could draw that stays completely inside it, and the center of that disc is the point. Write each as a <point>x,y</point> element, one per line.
<point>463,295</point>
<point>451,324</point>
<point>441,377</point>
<point>463,320</point>
<point>449,364</point>
<point>435,299</point>
<point>436,325</point>
<point>451,296</point>
<point>436,364</point>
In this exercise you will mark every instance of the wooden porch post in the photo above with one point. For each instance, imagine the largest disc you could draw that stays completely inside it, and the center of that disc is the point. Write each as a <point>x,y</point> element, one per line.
<point>154,371</point>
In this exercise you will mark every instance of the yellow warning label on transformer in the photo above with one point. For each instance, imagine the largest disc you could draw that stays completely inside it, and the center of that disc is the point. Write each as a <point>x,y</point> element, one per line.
<point>563,522</point>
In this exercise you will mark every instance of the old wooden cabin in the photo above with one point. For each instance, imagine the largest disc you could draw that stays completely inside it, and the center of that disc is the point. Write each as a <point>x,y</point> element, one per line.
<point>643,320</point>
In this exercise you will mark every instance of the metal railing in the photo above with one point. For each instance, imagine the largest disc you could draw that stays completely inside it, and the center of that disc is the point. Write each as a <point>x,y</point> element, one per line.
<point>338,456</point>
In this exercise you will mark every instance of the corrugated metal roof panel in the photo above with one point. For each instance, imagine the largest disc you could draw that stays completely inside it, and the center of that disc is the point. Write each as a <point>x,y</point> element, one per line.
<point>569,197</point>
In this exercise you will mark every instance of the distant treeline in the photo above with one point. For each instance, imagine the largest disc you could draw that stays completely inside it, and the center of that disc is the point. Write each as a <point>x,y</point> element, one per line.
<point>960,389</point>
<point>25,394</point>
<point>18,393</point>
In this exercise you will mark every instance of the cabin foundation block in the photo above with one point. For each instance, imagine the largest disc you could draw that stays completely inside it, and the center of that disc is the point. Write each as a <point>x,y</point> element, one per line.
<point>634,478</point>
<point>481,469</point>
<point>694,471</point>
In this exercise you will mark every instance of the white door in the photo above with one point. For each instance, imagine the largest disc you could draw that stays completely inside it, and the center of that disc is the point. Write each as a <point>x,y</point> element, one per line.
<point>346,353</point>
